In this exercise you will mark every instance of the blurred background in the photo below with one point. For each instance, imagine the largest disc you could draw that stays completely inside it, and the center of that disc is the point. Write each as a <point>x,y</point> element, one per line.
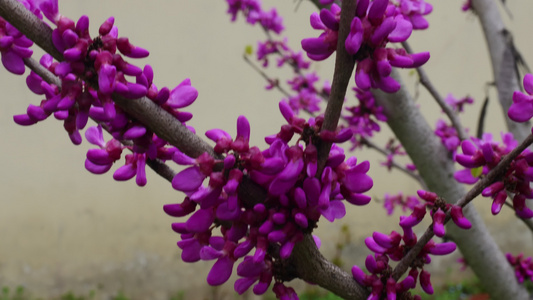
<point>63,229</point>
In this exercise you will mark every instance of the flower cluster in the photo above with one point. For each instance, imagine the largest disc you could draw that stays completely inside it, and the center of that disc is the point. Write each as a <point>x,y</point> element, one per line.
<point>439,208</point>
<point>306,96</point>
<point>482,155</point>
<point>522,108</point>
<point>406,203</point>
<point>458,104</point>
<point>92,71</point>
<point>446,132</point>
<point>296,197</point>
<point>14,47</point>
<point>362,119</point>
<point>393,150</point>
<point>375,25</point>
<point>448,135</point>
<point>395,246</point>
<point>523,266</point>
<point>252,11</point>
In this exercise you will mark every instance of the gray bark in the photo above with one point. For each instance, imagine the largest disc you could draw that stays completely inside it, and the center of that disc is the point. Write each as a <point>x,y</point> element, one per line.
<point>503,61</point>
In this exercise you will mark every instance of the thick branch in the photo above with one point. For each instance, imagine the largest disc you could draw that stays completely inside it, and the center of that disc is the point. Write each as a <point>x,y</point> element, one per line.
<point>312,267</point>
<point>503,61</point>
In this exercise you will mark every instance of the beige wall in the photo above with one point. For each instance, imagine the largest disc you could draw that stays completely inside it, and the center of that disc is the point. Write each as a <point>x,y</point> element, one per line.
<point>62,228</point>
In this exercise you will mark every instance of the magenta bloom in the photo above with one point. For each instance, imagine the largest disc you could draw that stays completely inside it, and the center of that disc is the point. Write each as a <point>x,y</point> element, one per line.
<point>522,108</point>
<point>14,47</point>
<point>323,46</point>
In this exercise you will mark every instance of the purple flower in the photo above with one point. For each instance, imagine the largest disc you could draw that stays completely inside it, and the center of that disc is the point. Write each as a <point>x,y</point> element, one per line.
<point>253,12</point>
<point>458,217</point>
<point>522,108</point>
<point>448,135</point>
<point>414,11</point>
<point>49,8</point>
<point>323,46</point>
<point>458,104</point>
<point>372,28</point>
<point>425,282</point>
<point>523,266</point>
<point>134,167</point>
<point>404,202</point>
<point>14,47</point>
<point>100,160</point>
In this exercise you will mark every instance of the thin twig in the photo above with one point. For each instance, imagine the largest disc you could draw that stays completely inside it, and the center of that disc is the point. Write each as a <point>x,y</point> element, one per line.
<point>426,82</point>
<point>344,65</point>
<point>273,82</point>
<point>395,165</point>
<point>527,222</point>
<point>493,175</point>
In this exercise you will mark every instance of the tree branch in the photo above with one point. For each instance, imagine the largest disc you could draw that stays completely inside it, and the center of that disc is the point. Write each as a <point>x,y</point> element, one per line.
<point>157,165</point>
<point>344,64</point>
<point>436,168</point>
<point>503,61</point>
<point>407,172</point>
<point>475,191</point>
<point>426,82</point>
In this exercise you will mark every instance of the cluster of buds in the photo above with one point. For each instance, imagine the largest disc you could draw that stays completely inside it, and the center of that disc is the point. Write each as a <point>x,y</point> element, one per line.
<point>376,23</point>
<point>296,197</point>
<point>523,266</point>
<point>406,203</point>
<point>304,95</point>
<point>395,246</point>
<point>363,118</point>
<point>479,156</point>
<point>94,70</point>
<point>252,11</point>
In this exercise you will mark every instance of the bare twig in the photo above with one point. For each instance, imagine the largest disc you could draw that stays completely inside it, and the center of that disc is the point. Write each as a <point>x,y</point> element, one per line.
<point>426,82</point>
<point>395,165</point>
<point>273,82</point>
<point>476,190</point>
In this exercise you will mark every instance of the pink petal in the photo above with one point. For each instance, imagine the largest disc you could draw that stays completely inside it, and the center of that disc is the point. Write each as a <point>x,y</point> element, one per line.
<point>188,180</point>
<point>221,271</point>
<point>12,62</point>
<point>182,96</point>
<point>125,172</point>
<point>402,31</point>
<point>528,83</point>
<point>336,210</point>
<point>200,221</point>
<point>96,169</point>
<point>520,111</point>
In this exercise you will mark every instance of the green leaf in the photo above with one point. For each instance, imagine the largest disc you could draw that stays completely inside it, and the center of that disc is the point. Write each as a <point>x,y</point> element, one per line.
<point>249,50</point>
<point>476,172</point>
